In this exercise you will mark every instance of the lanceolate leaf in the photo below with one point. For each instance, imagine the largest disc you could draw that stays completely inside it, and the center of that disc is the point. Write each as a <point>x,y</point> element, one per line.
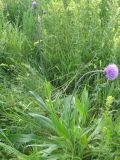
<point>43,121</point>
<point>82,106</point>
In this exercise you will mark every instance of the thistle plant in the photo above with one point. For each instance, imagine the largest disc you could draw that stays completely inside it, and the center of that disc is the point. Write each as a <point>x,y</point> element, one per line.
<point>34,4</point>
<point>111,72</point>
<point>36,118</point>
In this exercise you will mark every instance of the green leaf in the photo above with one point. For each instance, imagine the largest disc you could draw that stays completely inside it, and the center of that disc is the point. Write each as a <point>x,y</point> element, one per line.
<point>23,138</point>
<point>40,100</point>
<point>14,151</point>
<point>60,126</point>
<point>82,106</point>
<point>47,89</point>
<point>42,120</point>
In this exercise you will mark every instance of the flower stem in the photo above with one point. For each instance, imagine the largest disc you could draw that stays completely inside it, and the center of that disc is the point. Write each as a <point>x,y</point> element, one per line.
<point>77,84</point>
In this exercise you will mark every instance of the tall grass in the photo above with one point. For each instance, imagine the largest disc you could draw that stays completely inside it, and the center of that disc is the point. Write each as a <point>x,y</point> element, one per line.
<point>76,35</point>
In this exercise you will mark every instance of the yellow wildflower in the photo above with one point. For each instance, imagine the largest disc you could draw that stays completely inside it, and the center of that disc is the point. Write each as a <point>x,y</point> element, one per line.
<point>109,100</point>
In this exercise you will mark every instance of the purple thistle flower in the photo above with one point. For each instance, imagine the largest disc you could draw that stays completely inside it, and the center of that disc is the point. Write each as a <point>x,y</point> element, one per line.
<point>111,72</point>
<point>34,4</point>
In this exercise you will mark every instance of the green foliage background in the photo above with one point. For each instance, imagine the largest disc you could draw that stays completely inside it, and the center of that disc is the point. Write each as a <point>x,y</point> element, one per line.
<point>43,53</point>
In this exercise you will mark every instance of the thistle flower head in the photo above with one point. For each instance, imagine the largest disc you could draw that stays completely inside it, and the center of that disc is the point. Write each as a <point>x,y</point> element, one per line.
<point>111,71</point>
<point>34,4</point>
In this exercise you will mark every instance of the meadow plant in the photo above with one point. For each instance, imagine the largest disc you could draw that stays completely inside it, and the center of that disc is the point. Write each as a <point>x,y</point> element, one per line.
<point>74,37</point>
<point>111,72</point>
<point>34,4</point>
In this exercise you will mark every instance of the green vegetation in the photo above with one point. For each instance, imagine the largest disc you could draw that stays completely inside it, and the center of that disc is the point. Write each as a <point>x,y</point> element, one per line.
<point>43,53</point>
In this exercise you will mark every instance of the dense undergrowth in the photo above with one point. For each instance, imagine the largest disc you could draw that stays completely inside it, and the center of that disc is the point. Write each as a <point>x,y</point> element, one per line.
<point>43,53</point>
